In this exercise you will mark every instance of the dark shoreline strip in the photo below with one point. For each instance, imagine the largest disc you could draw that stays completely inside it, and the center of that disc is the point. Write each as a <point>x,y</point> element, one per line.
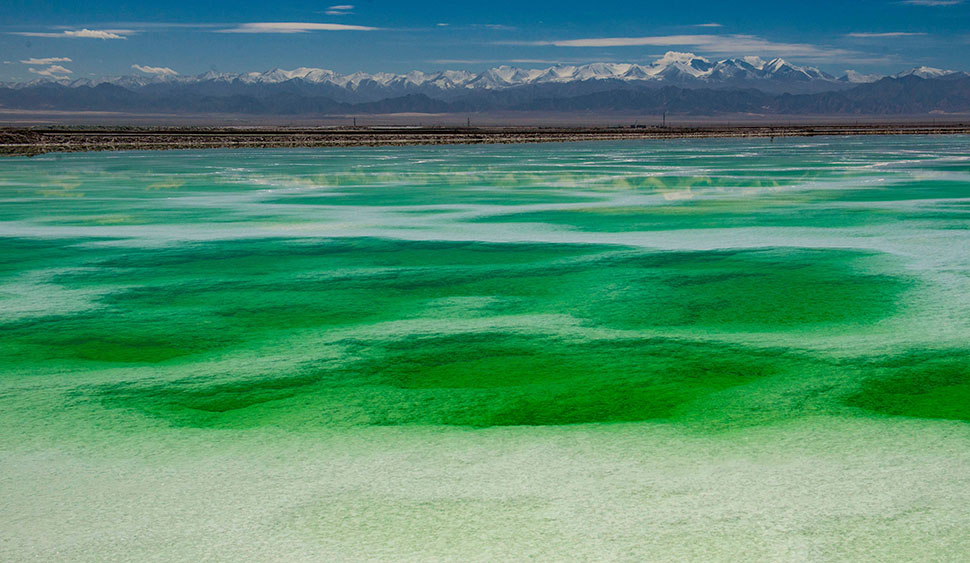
<point>34,141</point>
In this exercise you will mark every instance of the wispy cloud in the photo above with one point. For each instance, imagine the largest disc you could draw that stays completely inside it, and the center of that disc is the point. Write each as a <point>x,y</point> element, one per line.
<point>932,2</point>
<point>733,44</point>
<point>711,24</point>
<point>293,27</point>
<point>47,61</point>
<point>156,70</point>
<point>478,27</point>
<point>79,33</point>
<point>137,27</point>
<point>53,71</point>
<point>884,34</point>
<point>340,10</point>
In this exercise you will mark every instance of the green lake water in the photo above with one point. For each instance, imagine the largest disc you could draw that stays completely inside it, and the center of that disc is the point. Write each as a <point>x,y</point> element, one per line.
<point>690,349</point>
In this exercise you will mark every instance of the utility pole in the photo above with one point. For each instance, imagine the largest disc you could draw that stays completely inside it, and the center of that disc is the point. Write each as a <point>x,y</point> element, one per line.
<point>664,121</point>
<point>355,122</point>
<point>469,122</point>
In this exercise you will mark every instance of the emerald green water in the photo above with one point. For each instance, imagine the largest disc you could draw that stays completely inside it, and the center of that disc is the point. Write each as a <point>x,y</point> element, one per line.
<point>346,326</point>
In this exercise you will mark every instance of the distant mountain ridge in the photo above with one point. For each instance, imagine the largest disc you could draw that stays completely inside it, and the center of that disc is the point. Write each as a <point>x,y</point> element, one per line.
<point>677,83</point>
<point>674,68</point>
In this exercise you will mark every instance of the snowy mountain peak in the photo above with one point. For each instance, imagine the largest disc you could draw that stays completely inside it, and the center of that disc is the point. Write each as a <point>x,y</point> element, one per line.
<point>755,62</point>
<point>924,72</point>
<point>774,65</point>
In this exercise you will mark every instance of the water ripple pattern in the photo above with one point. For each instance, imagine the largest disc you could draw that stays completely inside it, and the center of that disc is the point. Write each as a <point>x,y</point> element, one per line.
<point>660,350</point>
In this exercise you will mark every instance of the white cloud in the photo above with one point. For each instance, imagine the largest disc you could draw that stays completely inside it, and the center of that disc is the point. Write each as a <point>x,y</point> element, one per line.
<point>340,10</point>
<point>53,71</point>
<point>156,70</point>
<point>732,44</point>
<point>711,24</point>
<point>886,34</point>
<point>932,2</point>
<point>58,69</point>
<point>293,27</point>
<point>96,34</point>
<point>80,33</point>
<point>47,61</point>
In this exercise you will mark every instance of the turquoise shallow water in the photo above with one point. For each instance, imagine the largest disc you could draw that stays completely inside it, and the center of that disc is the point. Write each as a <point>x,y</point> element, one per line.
<point>662,350</point>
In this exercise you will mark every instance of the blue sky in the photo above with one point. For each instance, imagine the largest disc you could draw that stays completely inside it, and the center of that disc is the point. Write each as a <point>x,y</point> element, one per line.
<point>100,37</point>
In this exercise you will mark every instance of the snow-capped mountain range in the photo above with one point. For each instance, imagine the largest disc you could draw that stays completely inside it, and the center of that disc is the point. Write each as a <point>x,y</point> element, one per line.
<point>674,68</point>
<point>681,83</point>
